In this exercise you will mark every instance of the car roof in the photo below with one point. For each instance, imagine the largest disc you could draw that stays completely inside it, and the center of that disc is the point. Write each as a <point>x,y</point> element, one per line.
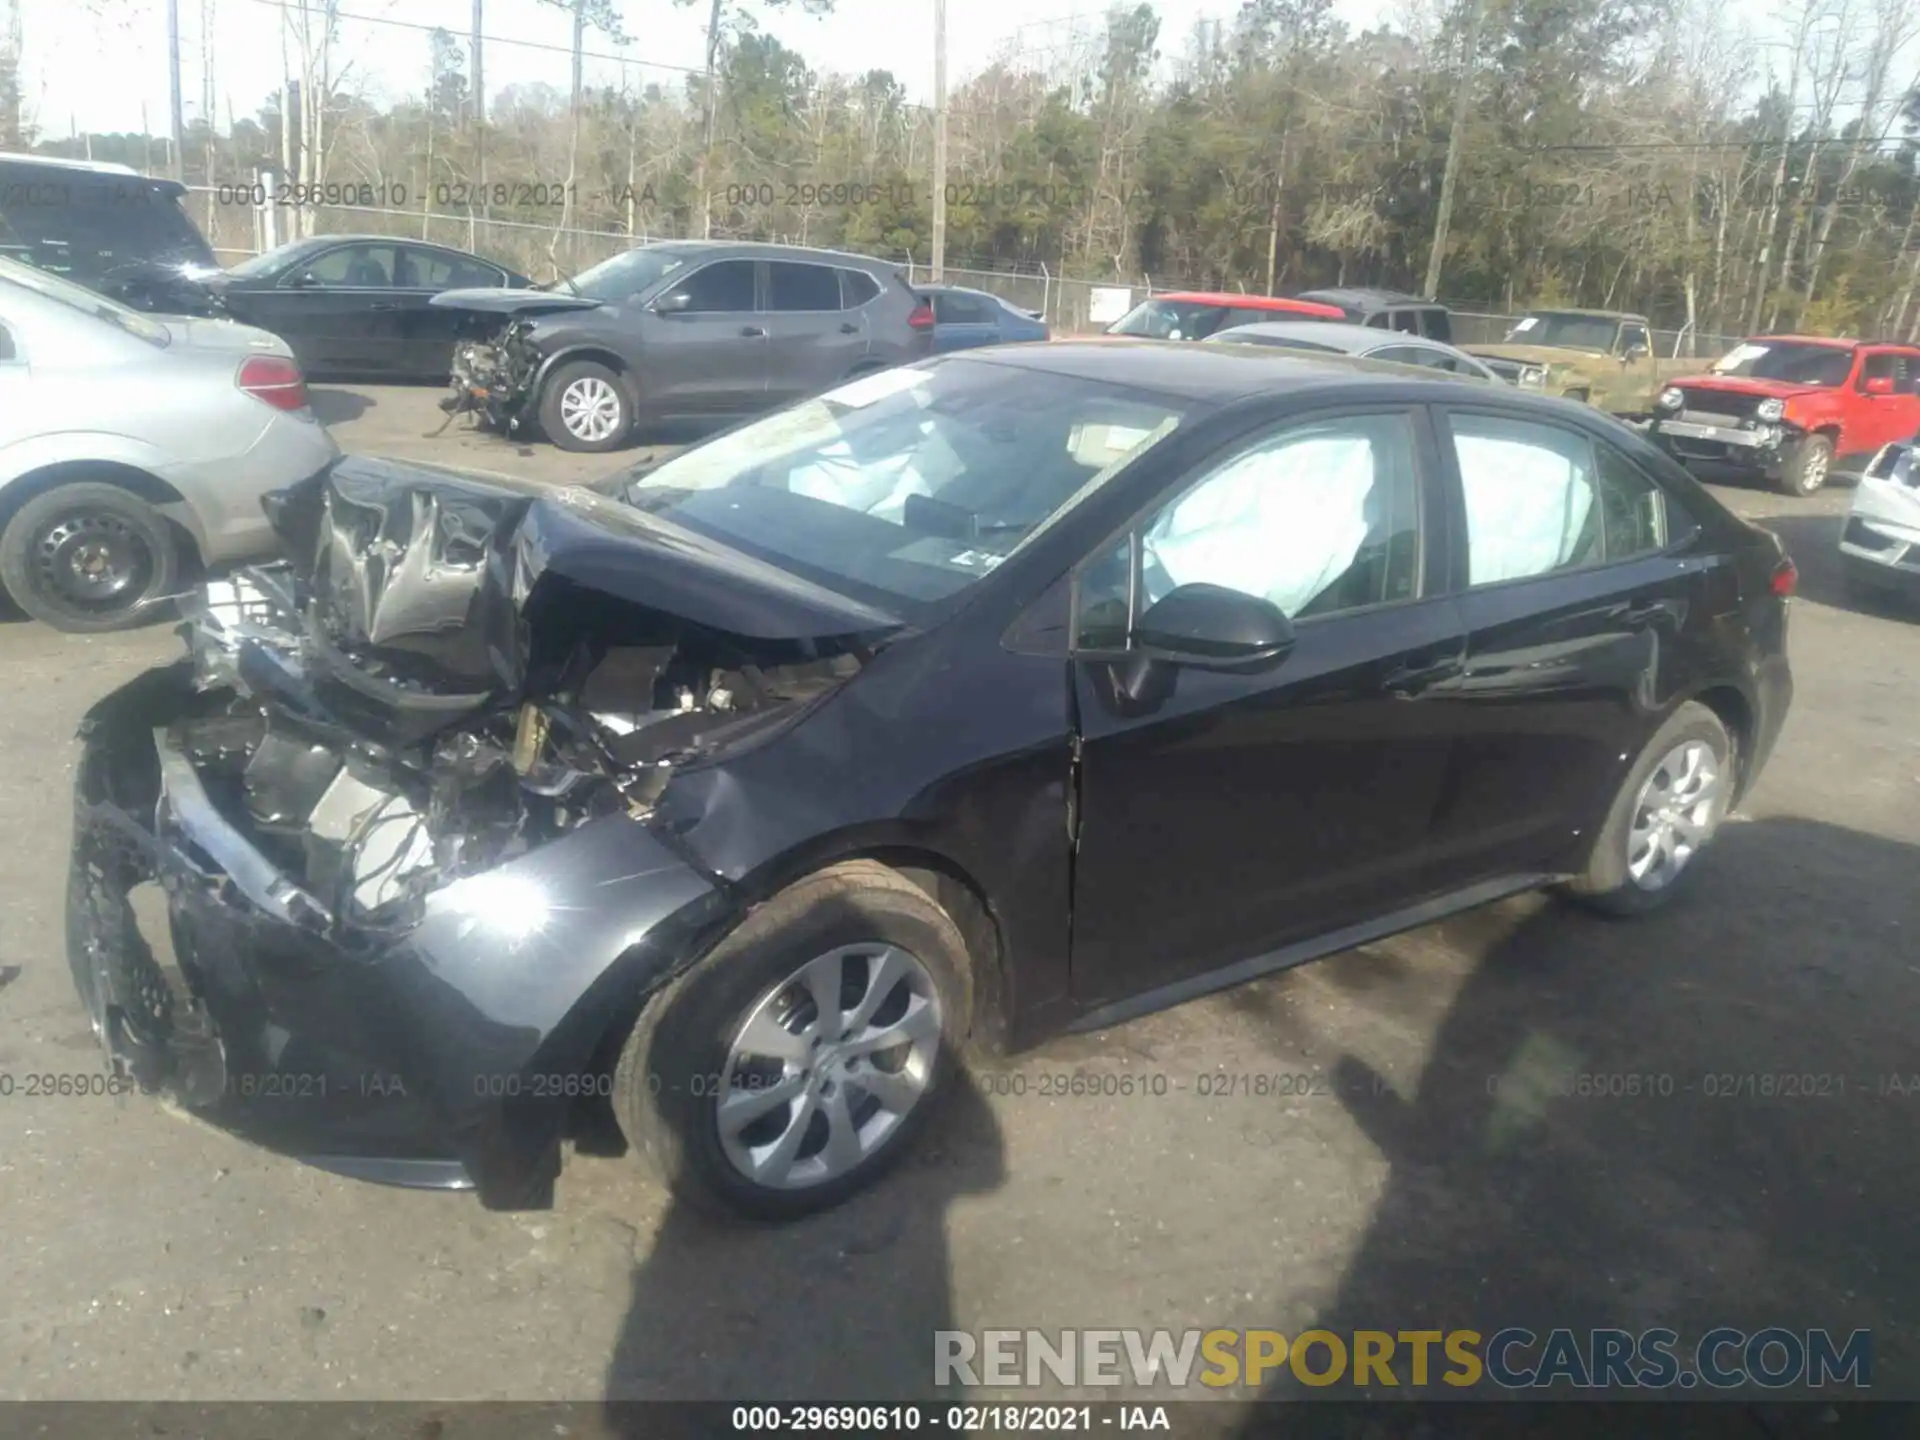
<point>1249,302</point>
<point>1363,297</point>
<point>1593,314</point>
<point>1339,335</point>
<point>1831,341</point>
<point>95,167</point>
<point>765,250</point>
<point>1180,370</point>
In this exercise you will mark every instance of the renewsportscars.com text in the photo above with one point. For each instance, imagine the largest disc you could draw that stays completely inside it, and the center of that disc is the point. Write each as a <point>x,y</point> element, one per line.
<point>1513,1358</point>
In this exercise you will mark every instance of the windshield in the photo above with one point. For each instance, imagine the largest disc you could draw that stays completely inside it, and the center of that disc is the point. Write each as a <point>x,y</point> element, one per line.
<point>1170,320</point>
<point>1574,332</point>
<point>85,301</point>
<point>1799,364</point>
<point>625,275</point>
<point>273,260</point>
<point>1242,336</point>
<point>912,484</point>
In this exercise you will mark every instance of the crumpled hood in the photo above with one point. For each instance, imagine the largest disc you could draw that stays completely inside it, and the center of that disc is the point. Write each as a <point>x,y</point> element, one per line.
<point>513,302</point>
<point>423,578</point>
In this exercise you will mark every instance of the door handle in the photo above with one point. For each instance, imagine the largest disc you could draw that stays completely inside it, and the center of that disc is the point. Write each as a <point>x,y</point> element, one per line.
<point>382,305</point>
<point>849,329</point>
<point>1640,612</point>
<point>753,332</point>
<point>1421,672</point>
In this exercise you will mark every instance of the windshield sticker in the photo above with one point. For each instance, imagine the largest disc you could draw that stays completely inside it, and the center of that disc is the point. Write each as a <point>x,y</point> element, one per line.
<point>1525,325</point>
<point>871,388</point>
<point>933,550</point>
<point>1740,355</point>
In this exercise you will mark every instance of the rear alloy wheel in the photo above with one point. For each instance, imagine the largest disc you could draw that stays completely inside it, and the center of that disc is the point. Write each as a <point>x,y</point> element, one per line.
<point>88,557</point>
<point>790,1067</point>
<point>585,408</point>
<point>1807,469</point>
<point>1664,815</point>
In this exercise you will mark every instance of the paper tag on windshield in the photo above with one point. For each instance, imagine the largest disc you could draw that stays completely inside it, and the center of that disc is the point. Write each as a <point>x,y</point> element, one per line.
<point>870,388</point>
<point>1521,327</point>
<point>1739,355</point>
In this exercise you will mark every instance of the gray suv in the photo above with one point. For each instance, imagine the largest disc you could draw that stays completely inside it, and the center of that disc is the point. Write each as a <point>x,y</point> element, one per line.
<point>681,330</point>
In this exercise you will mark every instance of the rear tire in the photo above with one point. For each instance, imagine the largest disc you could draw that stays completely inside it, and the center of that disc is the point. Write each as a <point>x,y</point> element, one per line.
<point>1656,803</point>
<point>585,408</point>
<point>88,557</point>
<point>1807,470</point>
<point>711,1038</point>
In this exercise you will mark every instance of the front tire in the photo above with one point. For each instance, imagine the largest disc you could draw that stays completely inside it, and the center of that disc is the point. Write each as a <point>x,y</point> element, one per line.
<point>1807,470</point>
<point>88,558</point>
<point>796,1063</point>
<point>585,407</point>
<point>1664,814</point>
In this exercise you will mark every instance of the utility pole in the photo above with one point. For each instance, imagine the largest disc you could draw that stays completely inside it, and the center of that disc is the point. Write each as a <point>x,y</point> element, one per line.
<point>939,138</point>
<point>1462,93</point>
<point>478,98</point>
<point>174,166</point>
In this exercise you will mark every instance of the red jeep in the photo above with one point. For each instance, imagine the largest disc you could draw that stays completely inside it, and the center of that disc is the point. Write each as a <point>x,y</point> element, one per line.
<point>1791,408</point>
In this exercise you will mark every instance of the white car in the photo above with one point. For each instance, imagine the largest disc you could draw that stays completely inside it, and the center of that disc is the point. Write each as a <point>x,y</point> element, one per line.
<point>1880,545</point>
<point>134,448</point>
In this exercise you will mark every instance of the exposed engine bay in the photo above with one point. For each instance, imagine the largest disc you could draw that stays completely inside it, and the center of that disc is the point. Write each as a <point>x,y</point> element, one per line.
<point>423,694</point>
<point>493,372</point>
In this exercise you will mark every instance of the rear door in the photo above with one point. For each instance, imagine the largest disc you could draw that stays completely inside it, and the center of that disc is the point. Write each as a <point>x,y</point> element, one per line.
<point>963,321</point>
<point>709,358</point>
<point>811,341</point>
<point>422,272</point>
<point>1571,591</point>
<point>1229,813</point>
<point>14,407</point>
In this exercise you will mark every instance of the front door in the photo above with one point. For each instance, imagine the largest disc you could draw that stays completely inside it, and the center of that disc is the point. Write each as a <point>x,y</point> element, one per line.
<point>1574,585</point>
<point>1226,814</point>
<point>1888,412</point>
<point>709,356</point>
<point>422,272</point>
<point>811,341</point>
<point>339,311</point>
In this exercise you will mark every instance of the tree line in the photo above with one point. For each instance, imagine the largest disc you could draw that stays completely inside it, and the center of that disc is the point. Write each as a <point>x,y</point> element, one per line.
<point>1651,155</point>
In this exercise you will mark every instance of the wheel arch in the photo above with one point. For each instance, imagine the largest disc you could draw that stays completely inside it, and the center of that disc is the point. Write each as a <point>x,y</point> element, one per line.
<point>143,484</point>
<point>1735,710</point>
<point>599,354</point>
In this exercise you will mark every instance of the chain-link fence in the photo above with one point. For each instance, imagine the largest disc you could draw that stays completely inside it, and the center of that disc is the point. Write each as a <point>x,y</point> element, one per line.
<point>241,220</point>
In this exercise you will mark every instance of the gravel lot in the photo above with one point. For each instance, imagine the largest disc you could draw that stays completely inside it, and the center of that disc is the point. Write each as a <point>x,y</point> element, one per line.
<point>149,1256</point>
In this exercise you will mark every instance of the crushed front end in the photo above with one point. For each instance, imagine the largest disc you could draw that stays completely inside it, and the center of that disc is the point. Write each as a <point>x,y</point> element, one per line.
<point>493,373</point>
<point>371,875</point>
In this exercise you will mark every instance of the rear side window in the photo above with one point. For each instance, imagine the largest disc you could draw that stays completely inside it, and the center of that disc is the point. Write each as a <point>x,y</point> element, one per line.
<point>856,289</point>
<point>950,309</point>
<point>1634,517</point>
<point>803,287</point>
<point>1407,321</point>
<point>431,270</point>
<point>1530,498</point>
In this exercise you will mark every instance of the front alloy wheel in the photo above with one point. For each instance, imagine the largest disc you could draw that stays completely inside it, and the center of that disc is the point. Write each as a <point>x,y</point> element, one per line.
<point>585,407</point>
<point>1674,816</point>
<point>828,1065</point>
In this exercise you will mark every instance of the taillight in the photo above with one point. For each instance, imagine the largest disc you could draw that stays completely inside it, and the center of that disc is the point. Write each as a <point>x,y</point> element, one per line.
<point>922,316</point>
<point>274,379</point>
<point>1786,577</point>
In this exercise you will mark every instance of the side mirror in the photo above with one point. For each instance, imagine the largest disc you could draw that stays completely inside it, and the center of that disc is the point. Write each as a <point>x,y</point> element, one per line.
<point>1213,627</point>
<point>1877,385</point>
<point>673,304</point>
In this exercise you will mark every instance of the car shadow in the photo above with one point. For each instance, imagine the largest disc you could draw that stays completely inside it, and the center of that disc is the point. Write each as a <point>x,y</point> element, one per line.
<point>334,405</point>
<point>1676,1121</point>
<point>1814,543</point>
<point>843,1303</point>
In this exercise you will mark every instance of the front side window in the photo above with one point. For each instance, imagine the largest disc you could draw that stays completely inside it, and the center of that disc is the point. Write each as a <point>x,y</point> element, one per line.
<point>1632,336</point>
<point>1884,366</point>
<point>722,288</point>
<point>272,262</point>
<point>908,485</point>
<point>1407,322</point>
<point>354,267</point>
<point>625,275</point>
<point>1318,518</point>
<point>1410,355</point>
<point>1529,491</point>
<point>799,287</point>
<point>1435,326</point>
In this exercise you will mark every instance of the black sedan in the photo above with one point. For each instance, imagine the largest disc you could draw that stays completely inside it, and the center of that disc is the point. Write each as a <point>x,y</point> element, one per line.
<point>976,700</point>
<point>354,307</point>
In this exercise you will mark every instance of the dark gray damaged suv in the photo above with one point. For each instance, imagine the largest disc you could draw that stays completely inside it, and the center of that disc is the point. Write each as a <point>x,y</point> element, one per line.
<point>692,329</point>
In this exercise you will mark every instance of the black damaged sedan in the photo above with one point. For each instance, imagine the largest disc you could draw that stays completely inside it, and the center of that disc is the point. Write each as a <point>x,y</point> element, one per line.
<point>1013,692</point>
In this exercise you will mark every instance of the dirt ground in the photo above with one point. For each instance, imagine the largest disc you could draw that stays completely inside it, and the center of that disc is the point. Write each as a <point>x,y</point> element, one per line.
<point>1434,1177</point>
